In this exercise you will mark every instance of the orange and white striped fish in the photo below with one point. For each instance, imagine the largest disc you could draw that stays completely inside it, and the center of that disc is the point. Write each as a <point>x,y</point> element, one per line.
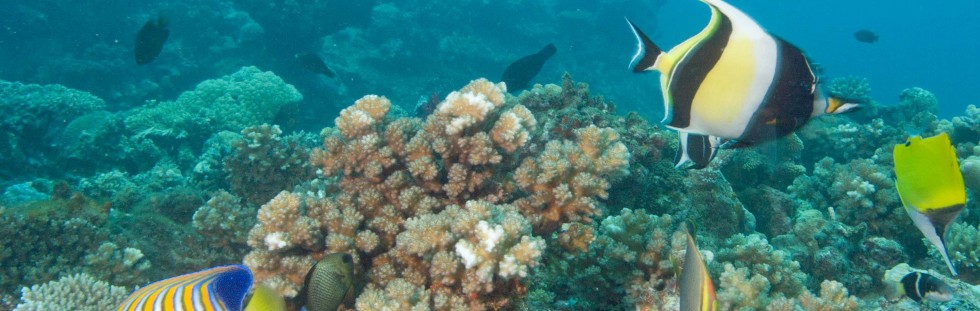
<point>216,289</point>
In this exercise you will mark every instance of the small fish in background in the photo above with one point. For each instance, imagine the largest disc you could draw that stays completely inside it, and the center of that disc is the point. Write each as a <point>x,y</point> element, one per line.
<point>518,74</point>
<point>866,36</point>
<point>150,40</point>
<point>328,284</point>
<point>930,186</point>
<point>218,288</point>
<point>734,82</point>
<point>919,286</point>
<point>697,292</point>
<point>313,63</point>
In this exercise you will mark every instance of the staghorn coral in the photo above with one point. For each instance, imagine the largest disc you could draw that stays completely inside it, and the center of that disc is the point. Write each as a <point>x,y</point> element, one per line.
<point>263,162</point>
<point>77,292</point>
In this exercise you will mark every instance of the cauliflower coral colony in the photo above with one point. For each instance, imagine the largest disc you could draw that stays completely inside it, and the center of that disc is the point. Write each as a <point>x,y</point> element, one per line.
<point>547,200</point>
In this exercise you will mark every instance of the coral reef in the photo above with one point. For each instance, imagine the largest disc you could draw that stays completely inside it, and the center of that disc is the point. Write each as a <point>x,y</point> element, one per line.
<point>435,203</point>
<point>31,116</point>
<point>850,88</point>
<point>263,162</point>
<point>244,98</point>
<point>753,273</point>
<point>77,292</point>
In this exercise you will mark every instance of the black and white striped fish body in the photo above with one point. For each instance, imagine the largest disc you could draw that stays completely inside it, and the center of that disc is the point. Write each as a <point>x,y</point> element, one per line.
<point>735,81</point>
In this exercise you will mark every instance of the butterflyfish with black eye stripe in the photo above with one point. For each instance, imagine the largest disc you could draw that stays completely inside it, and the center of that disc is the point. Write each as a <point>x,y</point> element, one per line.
<point>215,289</point>
<point>930,186</point>
<point>697,292</point>
<point>734,82</point>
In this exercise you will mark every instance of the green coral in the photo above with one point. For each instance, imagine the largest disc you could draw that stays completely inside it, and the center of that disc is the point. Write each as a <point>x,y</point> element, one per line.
<point>963,244</point>
<point>264,162</point>
<point>30,115</point>
<point>850,88</point>
<point>246,97</point>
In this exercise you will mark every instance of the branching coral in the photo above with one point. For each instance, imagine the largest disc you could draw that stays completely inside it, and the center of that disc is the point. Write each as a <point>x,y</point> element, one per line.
<point>424,201</point>
<point>564,180</point>
<point>79,292</point>
<point>223,222</point>
<point>963,244</point>
<point>263,162</point>
<point>754,272</point>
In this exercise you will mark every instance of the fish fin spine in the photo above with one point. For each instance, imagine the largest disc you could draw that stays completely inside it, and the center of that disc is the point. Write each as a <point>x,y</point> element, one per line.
<point>647,53</point>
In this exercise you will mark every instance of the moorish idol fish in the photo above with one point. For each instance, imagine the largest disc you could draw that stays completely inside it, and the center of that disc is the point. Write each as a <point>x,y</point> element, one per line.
<point>313,63</point>
<point>919,285</point>
<point>697,291</point>
<point>150,40</point>
<point>329,283</point>
<point>735,81</point>
<point>215,289</point>
<point>696,149</point>
<point>930,186</point>
<point>518,74</point>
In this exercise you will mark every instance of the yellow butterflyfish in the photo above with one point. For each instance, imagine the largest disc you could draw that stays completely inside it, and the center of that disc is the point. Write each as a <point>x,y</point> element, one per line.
<point>931,186</point>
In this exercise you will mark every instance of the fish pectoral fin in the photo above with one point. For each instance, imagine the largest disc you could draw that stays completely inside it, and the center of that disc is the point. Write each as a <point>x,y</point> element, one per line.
<point>647,53</point>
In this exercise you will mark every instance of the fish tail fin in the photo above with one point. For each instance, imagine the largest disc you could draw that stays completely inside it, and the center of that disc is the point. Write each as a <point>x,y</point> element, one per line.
<point>696,149</point>
<point>647,53</point>
<point>945,253</point>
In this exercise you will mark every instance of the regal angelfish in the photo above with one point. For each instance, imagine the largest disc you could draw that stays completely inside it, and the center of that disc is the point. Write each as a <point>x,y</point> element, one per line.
<point>733,82</point>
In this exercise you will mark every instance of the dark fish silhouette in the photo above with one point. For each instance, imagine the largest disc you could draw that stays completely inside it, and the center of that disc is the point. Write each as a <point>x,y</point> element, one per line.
<point>519,73</point>
<point>150,40</point>
<point>313,63</point>
<point>866,36</point>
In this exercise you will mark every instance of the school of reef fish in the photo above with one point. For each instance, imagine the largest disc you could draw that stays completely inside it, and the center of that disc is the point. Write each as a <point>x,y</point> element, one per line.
<point>493,198</point>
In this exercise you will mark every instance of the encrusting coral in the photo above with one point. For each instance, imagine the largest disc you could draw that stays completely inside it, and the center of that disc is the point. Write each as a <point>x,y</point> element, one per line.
<point>436,204</point>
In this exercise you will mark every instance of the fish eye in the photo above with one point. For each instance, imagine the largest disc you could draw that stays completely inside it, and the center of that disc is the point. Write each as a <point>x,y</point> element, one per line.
<point>347,258</point>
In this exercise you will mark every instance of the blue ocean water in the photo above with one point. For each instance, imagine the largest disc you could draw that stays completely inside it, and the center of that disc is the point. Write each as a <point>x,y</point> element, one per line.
<point>135,173</point>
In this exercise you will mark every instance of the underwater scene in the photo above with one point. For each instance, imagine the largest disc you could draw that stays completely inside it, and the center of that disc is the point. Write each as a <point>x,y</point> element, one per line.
<point>328,155</point>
